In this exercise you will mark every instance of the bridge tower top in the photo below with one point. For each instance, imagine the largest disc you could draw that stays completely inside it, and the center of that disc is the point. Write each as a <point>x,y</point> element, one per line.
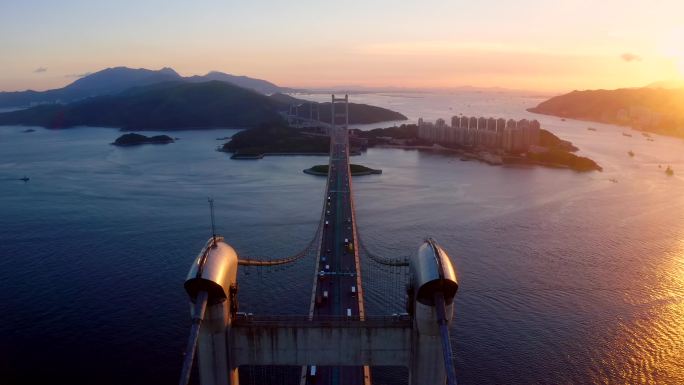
<point>338,117</point>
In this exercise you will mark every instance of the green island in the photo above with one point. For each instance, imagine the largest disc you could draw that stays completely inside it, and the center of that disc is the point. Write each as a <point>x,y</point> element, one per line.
<point>355,169</point>
<point>133,139</point>
<point>275,139</point>
<point>559,159</point>
<point>552,151</point>
<point>279,139</point>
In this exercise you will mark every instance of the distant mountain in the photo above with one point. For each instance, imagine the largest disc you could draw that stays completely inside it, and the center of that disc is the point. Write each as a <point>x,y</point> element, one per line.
<point>117,79</point>
<point>114,80</point>
<point>176,105</point>
<point>261,86</point>
<point>362,114</point>
<point>287,99</point>
<point>651,109</point>
<point>107,81</point>
<point>358,113</point>
<point>161,106</point>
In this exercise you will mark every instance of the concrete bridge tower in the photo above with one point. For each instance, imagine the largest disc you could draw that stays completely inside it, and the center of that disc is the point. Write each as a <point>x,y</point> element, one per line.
<point>212,287</point>
<point>420,341</point>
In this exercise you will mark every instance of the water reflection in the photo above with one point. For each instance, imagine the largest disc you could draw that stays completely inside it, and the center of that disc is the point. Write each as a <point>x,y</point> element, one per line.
<point>648,344</point>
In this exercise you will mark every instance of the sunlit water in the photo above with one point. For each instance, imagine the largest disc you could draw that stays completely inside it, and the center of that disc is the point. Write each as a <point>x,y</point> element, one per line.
<point>565,277</point>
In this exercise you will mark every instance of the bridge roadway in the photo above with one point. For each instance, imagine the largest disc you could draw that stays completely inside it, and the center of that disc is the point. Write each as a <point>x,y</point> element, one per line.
<point>337,288</point>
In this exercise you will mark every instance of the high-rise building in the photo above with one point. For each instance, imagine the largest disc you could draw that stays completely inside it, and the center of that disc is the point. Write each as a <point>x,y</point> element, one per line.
<point>455,121</point>
<point>481,131</point>
<point>535,132</point>
<point>500,127</point>
<point>509,135</point>
<point>472,131</point>
<point>491,132</point>
<point>524,130</point>
<point>441,131</point>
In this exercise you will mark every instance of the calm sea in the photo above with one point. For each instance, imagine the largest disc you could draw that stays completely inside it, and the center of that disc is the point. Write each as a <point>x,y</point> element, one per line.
<point>565,277</point>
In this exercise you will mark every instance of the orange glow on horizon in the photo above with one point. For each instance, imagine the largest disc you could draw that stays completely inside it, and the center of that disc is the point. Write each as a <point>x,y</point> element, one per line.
<point>432,44</point>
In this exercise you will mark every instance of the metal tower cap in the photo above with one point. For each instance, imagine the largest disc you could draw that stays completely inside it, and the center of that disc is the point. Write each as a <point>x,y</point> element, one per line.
<point>432,271</point>
<point>213,271</point>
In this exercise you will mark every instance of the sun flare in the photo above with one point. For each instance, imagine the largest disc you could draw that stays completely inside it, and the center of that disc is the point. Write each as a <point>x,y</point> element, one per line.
<point>673,49</point>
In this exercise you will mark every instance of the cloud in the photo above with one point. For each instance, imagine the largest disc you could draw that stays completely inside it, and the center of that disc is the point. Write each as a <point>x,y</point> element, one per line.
<point>78,76</point>
<point>39,70</point>
<point>630,57</point>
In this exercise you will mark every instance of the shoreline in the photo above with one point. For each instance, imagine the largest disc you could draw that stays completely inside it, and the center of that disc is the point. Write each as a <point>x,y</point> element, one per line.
<point>482,156</point>
<point>486,157</point>
<point>611,123</point>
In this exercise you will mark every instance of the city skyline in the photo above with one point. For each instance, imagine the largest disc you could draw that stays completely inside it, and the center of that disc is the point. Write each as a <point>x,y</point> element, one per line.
<point>432,44</point>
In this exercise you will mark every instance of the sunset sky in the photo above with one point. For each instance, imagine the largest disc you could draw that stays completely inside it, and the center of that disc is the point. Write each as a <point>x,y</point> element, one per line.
<point>524,44</point>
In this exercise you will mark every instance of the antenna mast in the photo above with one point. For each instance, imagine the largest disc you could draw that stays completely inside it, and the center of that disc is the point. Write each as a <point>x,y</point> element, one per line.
<point>213,225</point>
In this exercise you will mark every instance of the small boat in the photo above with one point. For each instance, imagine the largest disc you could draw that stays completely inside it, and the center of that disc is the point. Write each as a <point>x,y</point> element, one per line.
<point>591,129</point>
<point>613,180</point>
<point>669,171</point>
<point>626,134</point>
<point>646,134</point>
<point>631,153</point>
<point>25,178</point>
<point>650,139</point>
<point>562,119</point>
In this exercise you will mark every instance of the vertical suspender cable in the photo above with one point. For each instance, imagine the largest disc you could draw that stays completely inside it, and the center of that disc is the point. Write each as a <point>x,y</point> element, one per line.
<point>197,317</point>
<point>444,333</point>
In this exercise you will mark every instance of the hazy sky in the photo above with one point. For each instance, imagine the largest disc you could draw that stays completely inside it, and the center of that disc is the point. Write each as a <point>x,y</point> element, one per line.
<point>527,44</point>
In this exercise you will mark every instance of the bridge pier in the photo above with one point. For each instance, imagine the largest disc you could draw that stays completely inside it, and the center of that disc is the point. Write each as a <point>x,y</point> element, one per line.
<point>213,276</point>
<point>426,362</point>
<point>214,361</point>
<point>432,289</point>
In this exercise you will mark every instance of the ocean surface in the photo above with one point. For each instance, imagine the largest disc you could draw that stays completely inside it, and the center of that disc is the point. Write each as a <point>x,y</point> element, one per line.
<point>565,277</point>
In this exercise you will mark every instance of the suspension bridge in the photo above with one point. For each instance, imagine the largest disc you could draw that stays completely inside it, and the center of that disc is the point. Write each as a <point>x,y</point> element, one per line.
<point>338,341</point>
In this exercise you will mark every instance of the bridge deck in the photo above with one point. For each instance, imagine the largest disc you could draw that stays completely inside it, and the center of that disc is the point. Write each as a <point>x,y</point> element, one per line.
<point>337,289</point>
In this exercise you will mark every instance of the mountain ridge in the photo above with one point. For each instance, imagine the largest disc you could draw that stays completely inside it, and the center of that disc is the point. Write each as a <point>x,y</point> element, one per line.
<point>178,105</point>
<point>658,110</point>
<point>113,80</point>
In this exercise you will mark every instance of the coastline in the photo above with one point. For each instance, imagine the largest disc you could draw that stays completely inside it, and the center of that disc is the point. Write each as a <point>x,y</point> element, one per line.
<point>485,156</point>
<point>614,122</point>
